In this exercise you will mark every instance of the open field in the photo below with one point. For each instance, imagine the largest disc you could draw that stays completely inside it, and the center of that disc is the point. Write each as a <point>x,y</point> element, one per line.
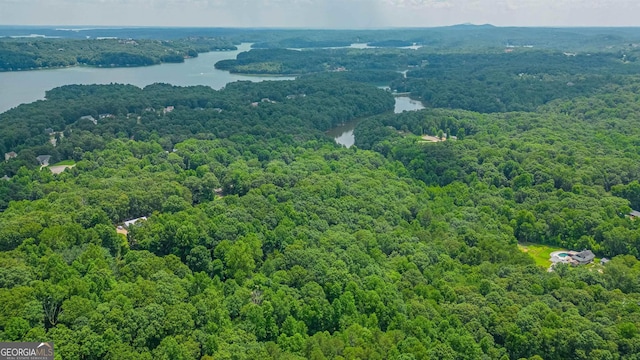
<point>58,169</point>
<point>539,252</point>
<point>65,162</point>
<point>430,138</point>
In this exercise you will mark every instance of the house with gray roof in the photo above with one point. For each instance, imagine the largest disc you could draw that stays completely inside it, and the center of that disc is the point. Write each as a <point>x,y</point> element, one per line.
<point>43,160</point>
<point>584,257</point>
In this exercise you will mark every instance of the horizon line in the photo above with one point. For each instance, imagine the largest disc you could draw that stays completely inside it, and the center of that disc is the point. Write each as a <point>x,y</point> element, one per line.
<point>73,27</point>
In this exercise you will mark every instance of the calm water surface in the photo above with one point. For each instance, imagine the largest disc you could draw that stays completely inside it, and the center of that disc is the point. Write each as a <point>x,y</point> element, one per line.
<point>343,134</point>
<point>28,86</point>
<point>405,103</point>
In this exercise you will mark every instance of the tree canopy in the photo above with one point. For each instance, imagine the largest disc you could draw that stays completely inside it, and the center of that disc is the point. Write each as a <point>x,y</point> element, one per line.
<point>255,236</point>
<point>21,54</point>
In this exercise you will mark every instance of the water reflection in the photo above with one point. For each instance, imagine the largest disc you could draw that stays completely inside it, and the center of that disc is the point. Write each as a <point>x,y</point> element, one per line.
<point>27,86</point>
<point>343,134</point>
<point>405,103</point>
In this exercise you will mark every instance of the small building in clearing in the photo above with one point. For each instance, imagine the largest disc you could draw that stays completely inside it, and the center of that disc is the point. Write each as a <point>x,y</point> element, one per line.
<point>124,229</point>
<point>634,214</point>
<point>43,160</point>
<point>10,155</point>
<point>574,258</point>
<point>128,223</point>
<point>584,257</point>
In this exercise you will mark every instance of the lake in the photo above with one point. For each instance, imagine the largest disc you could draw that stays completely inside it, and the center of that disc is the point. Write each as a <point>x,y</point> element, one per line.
<point>343,134</point>
<point>405,103</point>
<point>27,86</point>
<point>20,87</point>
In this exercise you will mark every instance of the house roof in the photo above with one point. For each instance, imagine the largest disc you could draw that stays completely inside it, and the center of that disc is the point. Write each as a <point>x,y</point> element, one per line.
<point>584,255</point>
<point>133,221</point>
<point>635,213</point>
<point>42,158</point>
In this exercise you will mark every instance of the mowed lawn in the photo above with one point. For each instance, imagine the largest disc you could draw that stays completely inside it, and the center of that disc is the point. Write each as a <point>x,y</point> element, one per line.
<point>65,162</point>
<point>540,253</point>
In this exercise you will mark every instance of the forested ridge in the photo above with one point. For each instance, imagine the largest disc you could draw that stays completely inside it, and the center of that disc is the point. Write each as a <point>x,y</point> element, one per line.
<point>29,54</point>
<point>476,37</point>
<point>490,80</point>
<point>41,47</point>
<point>266,240</point>
<point>552,172</point>
<point>270,109</point>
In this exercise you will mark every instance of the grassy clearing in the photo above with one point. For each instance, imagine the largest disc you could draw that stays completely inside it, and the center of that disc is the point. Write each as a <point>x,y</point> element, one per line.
<point>540,253</point>
<point>65,162</point>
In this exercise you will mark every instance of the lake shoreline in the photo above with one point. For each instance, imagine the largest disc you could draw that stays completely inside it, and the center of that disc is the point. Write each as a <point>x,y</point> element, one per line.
<point>343,134</point>
<point>127,66</point>
<point>265,75</point>
<point>27,86</point>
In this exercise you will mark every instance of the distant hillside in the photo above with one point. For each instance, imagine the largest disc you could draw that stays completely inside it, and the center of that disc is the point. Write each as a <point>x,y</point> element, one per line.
<point>36,53</point>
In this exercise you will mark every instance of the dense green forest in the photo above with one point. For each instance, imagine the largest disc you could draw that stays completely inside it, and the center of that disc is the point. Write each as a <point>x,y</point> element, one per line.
<point>264,239</point>
<point>284,61</point>
<point>266,109</point>
<point>147,46</point>
<point>493,81</point>
<point>553,171</point>
<point>28,54</point>
<point>521,80</point>
<point>471,37</point>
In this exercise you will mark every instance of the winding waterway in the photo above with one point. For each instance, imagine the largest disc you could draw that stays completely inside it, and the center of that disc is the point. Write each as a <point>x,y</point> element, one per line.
<point>20,87</point>
<point>343,134</point>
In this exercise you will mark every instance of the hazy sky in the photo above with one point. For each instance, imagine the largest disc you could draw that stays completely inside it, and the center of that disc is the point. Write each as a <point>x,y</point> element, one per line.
<point>320,13</point>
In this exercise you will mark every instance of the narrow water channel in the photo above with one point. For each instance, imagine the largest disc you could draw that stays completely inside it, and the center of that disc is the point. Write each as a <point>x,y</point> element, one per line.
<point>343,134</point>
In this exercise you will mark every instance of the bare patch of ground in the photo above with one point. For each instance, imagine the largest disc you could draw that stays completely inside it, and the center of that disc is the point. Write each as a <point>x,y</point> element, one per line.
<point>59,168</point>
<point>430,138</point>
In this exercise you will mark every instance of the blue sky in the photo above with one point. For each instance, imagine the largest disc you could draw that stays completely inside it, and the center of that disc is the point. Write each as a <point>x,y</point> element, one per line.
<point>320,13</point>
